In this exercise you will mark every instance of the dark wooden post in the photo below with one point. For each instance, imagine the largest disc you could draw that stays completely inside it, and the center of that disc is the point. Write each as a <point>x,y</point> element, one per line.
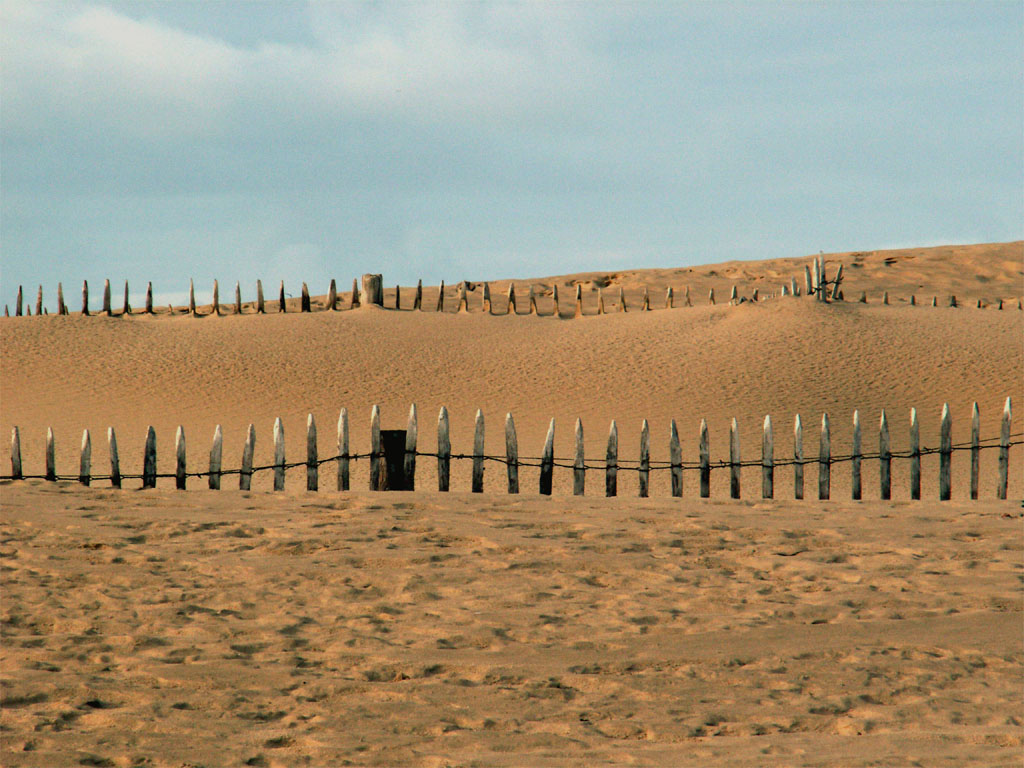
<point>547,462</point>
<point>915,456</point>
<point>126,308</point>
<point>705,460</point>
<point>39,299</point>
<point>611,462</point>
<point>417,302</point>
<point>282,302</point>
<point>440,298</point>
<point>343,459</point>
<point>579,471</point>
<point>1004,451</point>
<point>149,298</point>
<point>355,294</point>
<point>884,458</point>
<point>825,458</point>
<point>375,449</point>
<point>767,460</point>
<point>85,463</point>
<point>238,298</point>
<point>51,459</point>
<point>305,305</point>
<point>85,298</point>
<point>798,457</point>
<point>216,454</point>
<point>115,461</point>
<point>675,454</point>
<point>511,309</point>
<point>444,451</point>
<point>179,449</point>
<point>149,460</point>
<point>16,471</point>
<point>411,436</point>
<point>645,460</point>
<point>216,299</point>
<point>332,296</point>
<point>61,309</point>
<point>734,459</point>
<point>312,458</point>
<point>855,480</point>
<point>191,296</point>
<point>478,453</point>
<point>945,453</point>
<point>975,442</point>
<point>278,455</point>
<point>106,298</point>
<point>260,306</point>
<point>18,303</point>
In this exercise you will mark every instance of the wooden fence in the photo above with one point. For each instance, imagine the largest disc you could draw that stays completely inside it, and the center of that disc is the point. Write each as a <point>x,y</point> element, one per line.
<point>393,455</point>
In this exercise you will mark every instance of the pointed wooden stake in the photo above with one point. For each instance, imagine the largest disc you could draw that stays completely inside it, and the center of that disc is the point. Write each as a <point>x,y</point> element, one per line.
<point>734,460</point>
<point>705,460</point>
<point>579,472</point>
<point>578,312</point>
<point>511,310</point>
<point>825,460</point>
<point>754,296</point>
<point>547,462</point>
<point>444,451</point>
<point>884,458</point>
<point>179,451</point>
<point>411,438</point>
<point>376,451</point>
<point>478,453</point>
<point>855,481</point>
<point>305,306</point>
<point>343,458</point>
<point>863,297</point>
<point>238,298</point>
<point>975,448</point>
<point>398,298</point>
<point>913,300</point>
<point>767,460</point>
<point>417,303</point>
<point>216,454</point>
<point>245,476</point>
<point>85,463</point>
<point>115,461</point>
<point>511,454</point>
<point>952,301</point>
<point>260,306</point>
<point>915,456</point>
<point>794,290</point>
<point>785,290</point>
<point>798,458</point>
<point>440,298</point>
<point>126,308</point>
<point>149,298</point>
<point>1004,451</point>
<point>191,297</point>
<point>278,454</point>
<point>645,460</point>
<point>312,458</point>
<point>51,458</point>
<point>17,304</point>
<point>332,296</point>
<point>149,460</point>
<point>16,471</point>
<point>675,457</point>
<point>61,308</point>
<point>808,283</point>
<point>945,453</point>
<point>85,298</point>
<point>282,302</point>
<point>935,301</point>
<point>611,462</point>
<point>106,297</point>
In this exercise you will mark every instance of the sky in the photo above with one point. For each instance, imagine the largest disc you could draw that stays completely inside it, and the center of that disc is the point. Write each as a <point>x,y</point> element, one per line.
<point>304,141</point>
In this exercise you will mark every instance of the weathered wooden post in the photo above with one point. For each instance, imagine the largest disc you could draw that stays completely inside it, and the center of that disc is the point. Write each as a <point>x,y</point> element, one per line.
<point>835,285</point>
<point>440,298</point>
<point>85,298</point>
<point>711,296</point>
<point>332,296</point>
<point>622,300</point>
<point>17,304</point>
<point>704,449</point>
<point>885,297</point>
<point>411,436</point>
<point>863,297</point>
<point>238,298</point>
<point>85,463</point>
<point>106,298</point>
<point>785,290</point>
<point>734,459</point>
<point>884,458</point>
<point>51,459</point>
<point>1004,451</point>
<point>216,454</point>
<point>216,299</point>
<point>355,294</point>
<point>115,462</point>
<point>798,458</point>
<point>191,296</point>
<point>733,295</point>
<point>260,306</point>
<point>935,301</point>
<point>39,299</point>
<point>611,462</point>
<point>578,312</point>
<point>825,460</point>
<point>754,296</point>
<point>126,308</point>
<point>913,300</point>
<point>600,300</point>
<point>478,453</point>
<point>305,305</point>
<point>511,300</point>
<point>61,308</point>
<point>855,480</point>
<point>645,460</point>
<point>511,454</point>
<point>417,302</point>
<point>149,460</point>
<point>312,458</point>
<point>343,458</point>
<point>767,460</point>
<point>686,297</point>
<point>282,302</point>
<point>646,306</point>
<point>675,458</point>
<point>915,456</point>
<point>808,283</point>
<point>16,472</point>
<point>376,452</point>
<point>668,298</point>
<point>245,476</point>
<point>278,454</point>
<point>444,451</point>
<point>398,297</point>
<point>945,453</point>
<point>149,298</point>
<point>463,298</point>
<point>579,472</point>
<point>547,462</point>
<point>952,301</point>
<point>532,299</point>
<point>179,449</point>
<point>487,299</point>
<point>975,443</point>
<point>793,289</point>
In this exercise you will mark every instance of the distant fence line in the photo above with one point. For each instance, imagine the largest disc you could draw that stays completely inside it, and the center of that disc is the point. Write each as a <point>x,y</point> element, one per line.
<point>393,455</point>
<point>816,284</point>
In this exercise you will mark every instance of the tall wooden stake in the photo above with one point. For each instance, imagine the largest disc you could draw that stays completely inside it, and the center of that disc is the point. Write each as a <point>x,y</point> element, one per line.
<point>825,460</point>
<point>411,436</point>
<point>611,462</point>
<point>1004,451</point>
<point>61,308</point>
<point>478,453</point>
<point>355,293</point>
<point>149,298</point>
<point>440,298</point>
<point>578,312</point>
<point>734,459</point>
<point>260,306</point>
<point>16,471</point>
<point>915,456</point>
<point>767,460</point>
<point>487,299</point>
<point>645,460</point>
<point>216,454</point>
<point>149,460</point>
<point>343,459</point>
<point>579,472</point>
<point>51,458</point>
<point>85,298</point>
<point>704,448</point>
<point>85,463</point>
<point>282,302</point>
<point>245,476</point>
<point>238,298</point>
<point>332,296</point>
<point>675,457</point>
<point>511,300</point>
<point>975,444</point>
<point>855,480</point>
<point>115,461</point>
<point>547,462</point>
<point>180,467</point>
<point>444,451</point>
<point>106,298</point>
<point>798,458</point>
<point>884,458</point>
<point>278,454</point>
<point>216,299</point>
<point>945,453</point>
<point>126,308</point>
<point>312,458</point>
<point>191,296</point>
<point>511,454</point>
<point>376,452</point>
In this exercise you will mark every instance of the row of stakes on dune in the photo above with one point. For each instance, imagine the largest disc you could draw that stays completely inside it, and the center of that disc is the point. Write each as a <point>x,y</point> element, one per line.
<point>816,284</point>
<point>393,455</point>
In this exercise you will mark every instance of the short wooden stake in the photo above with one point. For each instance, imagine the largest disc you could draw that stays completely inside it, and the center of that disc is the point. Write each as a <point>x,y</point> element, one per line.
<point>191,296</point>
<point>478,453</point>
<point>798,458</point>
<point>179,450</point>
<point>836,293</point>
<point>913,300</point>
<point>115,462</point>
<point>734,459</point>
<point>444,451</point>
<point>51,458</point>
<point>149,460</point>
<point>1000,305</point>
<point>216,299</point>
<point>935,301</point>
<point>85,463</point>
<point>863,297</point>
<point>915,456</point>
<point>238,298</point>
<point>885,297</point>
<point>511,310</point>
<point>312,457</point>
<point>216,455</point>
<point>440,298</point>
<point>975,449</point>
<point>611,462</point>
<point>260,306</point>
<point>579,471</point>
<point>855,464</point>
<point>547,462</point>
<point>106,298</point>
<point>355,294</point>
<point>884,458</point>
<point>754,296</point>
<point>675,458</point>
<point>825,460</point>
<point>85,298</point>
<point>511,454</point>
<point>646,306</point>
<point>1004,451</point>
<point>343,458</point>
<point>945,453</point>
<point>16,472</point>
<point>645,460</point>
<point>711,296</point>
<point>376,450</point>
<point>305,305</point>
<point>555,312</point>
<point>578,312</point>
<point>532,299</point>
<point>785,290</point>
<point>978,305</point>
<point>282,302</point>
<point>487,299</point>
<point>278,454</point>
<point>245,476</point>
<point>767,460</point>
<point>332,296</point>
<point>398,297</point>
<point>411,436</point>
<point>704,448</point>
<point>61,309</point>
<point>149,298</point>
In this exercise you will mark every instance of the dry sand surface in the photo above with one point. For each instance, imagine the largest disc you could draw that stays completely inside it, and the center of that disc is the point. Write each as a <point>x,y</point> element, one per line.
<point>166,629</point>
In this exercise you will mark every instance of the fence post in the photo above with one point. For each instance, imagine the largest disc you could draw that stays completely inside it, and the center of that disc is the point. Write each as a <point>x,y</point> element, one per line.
<point>375,448</point>
<point>278,455</point>
<point>611,464</point>
<point>282,302</point>
<point>1004,451</point>
<point>85,298</point>
<point>444,451</point>
<point>511,454</point>
<point>417,301</point>
<point>578,312</point>
<point>355,293</point>
<point>884,458</point>
<point>478,453</point>
<point>216,299</point>
<point>767,460</point>
<point>733,295</point>
<point>600,300</point>
<point>579,462</point>
<point>115,462</point>
<point>216,453</point>
<point>793,287</point>
<point>885,297</point>
<point>675,457</point>
<point>149,460</point>
<point>238,298</point>
<point>646,306</point>
<point>191,296</point>
<point>411,436</point>
<point>126,308</point>
<point>312,463</point>
<point>487,299</point>
<point>855,484</point>
<point>711,296</point>
<point>835,285</point>
<point>106,298</point>
<point>61,309</point>
<point>440,298</point>
<point>16,472</point>
<point>705,460</point>
<point>511,299</point>
<point>798,458</point>
<point>51,463</point>
<point>179,449</point>
<point>343,460</point>
<point>245,476</point>
<point>945,453</point>
<point>645,460</point>
<point>825,460</point>
<point>734,459</point>
<point>85,463</point>
<point>808,284</point>
<point>547,461</point>
<point>532,300</point>
<point>686,296</point>
<point>668,298</point>
<point>462,298</point>
<point>915,456</point>
<point>975,441</point>
<point>332,296</point>
<point>260,306</point>
<point>149,299</point>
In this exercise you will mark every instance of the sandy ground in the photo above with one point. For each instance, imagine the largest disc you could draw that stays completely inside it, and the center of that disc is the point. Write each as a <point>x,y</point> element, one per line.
<point>165,629</point>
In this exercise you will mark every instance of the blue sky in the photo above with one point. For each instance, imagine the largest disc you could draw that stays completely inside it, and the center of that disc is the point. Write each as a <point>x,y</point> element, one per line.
<point>304,141</point>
